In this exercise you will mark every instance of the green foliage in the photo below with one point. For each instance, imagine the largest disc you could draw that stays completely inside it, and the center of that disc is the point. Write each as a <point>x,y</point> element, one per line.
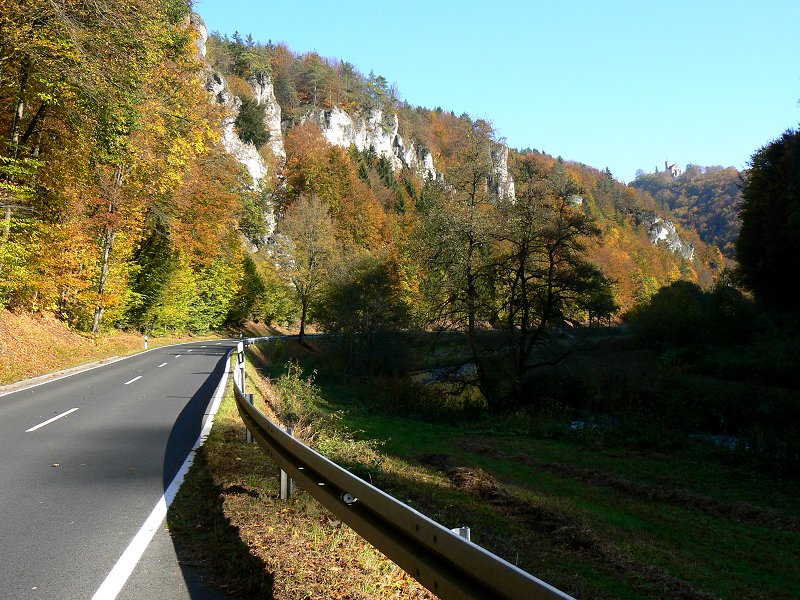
<point>194,300</point>
<point>767,246</point>
<point>156,261</point>
<point>300,402</point>
<point>364,304</point>
<point>250,123</point>
<point>683,314</point>
<point>23,239</point>
<point>255,208</point>
<point>251,288</point>
<point>276,304</point>
<point>702,198</point>
<point>675,315</point>
<point>299,396</point>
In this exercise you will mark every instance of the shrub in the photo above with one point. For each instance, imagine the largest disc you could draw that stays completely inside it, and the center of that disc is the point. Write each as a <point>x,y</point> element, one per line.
<point>250,123</point>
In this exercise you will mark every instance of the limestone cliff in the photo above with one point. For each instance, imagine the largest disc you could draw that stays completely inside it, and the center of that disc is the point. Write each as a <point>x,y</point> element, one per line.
<point>378,131</point>
<point>264,95</point>
<point>245,152</point>
<point>663,232</point>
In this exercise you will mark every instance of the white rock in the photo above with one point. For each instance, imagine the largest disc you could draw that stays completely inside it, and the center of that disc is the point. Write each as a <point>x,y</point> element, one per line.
<point>202,33</point>
<point>265,97</point>
<point>500,181</point>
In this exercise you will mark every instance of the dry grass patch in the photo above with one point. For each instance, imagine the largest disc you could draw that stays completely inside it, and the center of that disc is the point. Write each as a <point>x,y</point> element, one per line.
<point>301,550</point>
<point>36,344</point>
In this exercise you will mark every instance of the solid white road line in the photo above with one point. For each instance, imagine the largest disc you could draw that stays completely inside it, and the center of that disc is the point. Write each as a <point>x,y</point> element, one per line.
<point>116,579</point>
<point>161,365</point>
<point>132,380</point>
<point>40,425</point>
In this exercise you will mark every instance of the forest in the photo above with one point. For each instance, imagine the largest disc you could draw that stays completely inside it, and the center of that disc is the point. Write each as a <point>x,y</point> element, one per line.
<point>457,306</point>
<point>123,210</point>
<point>705,199</point>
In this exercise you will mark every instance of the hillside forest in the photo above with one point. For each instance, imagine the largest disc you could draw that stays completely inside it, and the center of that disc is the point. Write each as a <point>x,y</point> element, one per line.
<point>705,199</point>
<point>123,209</point>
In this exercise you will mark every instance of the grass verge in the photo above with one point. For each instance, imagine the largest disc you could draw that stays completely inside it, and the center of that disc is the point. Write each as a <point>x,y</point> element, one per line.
<point>33,345</point>
<point>597,522</point>
<point>229,519</point>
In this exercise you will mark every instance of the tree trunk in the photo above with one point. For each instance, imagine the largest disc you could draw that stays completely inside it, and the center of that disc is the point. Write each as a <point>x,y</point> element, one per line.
<point>7,224</point>
<point>108,245</point>
<point>303,313</point>
<point>19,109</point>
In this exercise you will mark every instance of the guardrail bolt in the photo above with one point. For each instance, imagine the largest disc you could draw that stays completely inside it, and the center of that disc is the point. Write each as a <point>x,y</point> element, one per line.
<point>348,498</point>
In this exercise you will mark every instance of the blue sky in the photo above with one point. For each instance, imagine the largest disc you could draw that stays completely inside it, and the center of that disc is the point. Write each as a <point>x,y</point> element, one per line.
<point>621,84</point>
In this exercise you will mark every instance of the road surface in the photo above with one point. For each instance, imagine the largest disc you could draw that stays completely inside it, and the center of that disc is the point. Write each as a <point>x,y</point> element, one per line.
<point>84,460</point>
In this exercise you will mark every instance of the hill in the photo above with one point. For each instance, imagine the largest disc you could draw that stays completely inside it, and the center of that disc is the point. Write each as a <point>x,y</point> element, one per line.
<point>705,199</point>
<point>394,148</point>
<point>153,193</point>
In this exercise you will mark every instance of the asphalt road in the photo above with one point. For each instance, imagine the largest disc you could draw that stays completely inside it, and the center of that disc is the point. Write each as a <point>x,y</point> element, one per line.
<point>75,491</point>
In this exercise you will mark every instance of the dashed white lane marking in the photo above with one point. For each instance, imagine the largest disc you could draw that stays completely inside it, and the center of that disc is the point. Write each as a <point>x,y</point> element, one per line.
<point>132,380</point>
<point>190,349</point>
<point>161,365</point>
<point>178,355</point>
<point>40,425</point>
<point>116,579</point>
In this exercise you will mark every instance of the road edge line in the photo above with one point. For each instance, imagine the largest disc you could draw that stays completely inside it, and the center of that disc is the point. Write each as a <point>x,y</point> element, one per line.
<point>118,576</point>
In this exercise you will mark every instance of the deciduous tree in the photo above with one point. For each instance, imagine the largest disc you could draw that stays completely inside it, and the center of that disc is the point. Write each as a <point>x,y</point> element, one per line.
<point>305,250</point>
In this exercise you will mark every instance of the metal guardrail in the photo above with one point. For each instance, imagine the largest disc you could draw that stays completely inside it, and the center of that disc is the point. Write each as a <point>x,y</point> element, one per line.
<point>445,563</point>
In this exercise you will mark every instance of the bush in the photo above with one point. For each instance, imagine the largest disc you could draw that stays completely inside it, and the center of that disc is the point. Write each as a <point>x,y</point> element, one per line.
<point>250,123</point>
<point>682,314</point>
<point>299,405</point>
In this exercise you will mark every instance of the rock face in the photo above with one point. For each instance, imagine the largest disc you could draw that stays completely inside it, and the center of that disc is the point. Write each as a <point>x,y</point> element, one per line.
<point>245,152</point>
<point>265,97</point>
<point>378,131</point>
<point>202,33</point>
<point>662,231</point>
<point>500,181</point>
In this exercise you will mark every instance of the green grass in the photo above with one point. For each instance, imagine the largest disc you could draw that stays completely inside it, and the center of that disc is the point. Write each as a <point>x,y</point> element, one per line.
<point>641,547</point>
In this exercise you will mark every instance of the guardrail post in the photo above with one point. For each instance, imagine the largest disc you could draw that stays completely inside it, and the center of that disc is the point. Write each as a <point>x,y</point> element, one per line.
<point>464,532</point>
<point>286,481</point>
<point>249,398</point>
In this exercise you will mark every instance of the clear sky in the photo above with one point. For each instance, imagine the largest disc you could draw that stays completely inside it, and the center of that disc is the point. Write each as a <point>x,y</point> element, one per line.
<point>623,84</point>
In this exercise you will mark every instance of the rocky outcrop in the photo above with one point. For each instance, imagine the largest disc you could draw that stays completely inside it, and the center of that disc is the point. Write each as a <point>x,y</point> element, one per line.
<point>500,180</point>
<point>202,34</point>
<point>264,95</point>
<point>244,152</point>
<point>378,131</point>
<point>663,232</point>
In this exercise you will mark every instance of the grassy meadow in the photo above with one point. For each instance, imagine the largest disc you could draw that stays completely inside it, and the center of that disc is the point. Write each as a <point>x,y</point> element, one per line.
<point>594,512</point>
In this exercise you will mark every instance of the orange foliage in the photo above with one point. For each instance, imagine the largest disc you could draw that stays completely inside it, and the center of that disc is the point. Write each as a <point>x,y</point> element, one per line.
<point>316,168</point>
